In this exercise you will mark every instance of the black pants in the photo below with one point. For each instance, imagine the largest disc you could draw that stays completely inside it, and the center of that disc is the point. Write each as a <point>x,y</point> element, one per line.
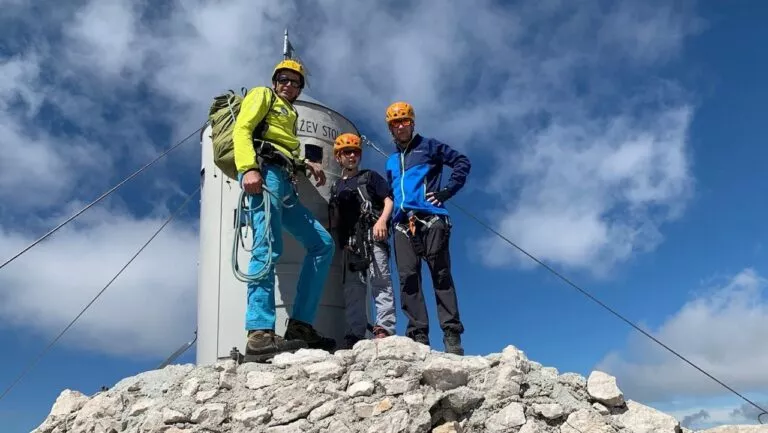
<point>434,249</point>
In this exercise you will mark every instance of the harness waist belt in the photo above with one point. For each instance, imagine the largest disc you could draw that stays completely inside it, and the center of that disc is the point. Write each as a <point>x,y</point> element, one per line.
<point>267,153</point>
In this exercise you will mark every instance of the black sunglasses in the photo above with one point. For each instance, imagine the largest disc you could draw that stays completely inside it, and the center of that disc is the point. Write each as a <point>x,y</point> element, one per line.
<point>285,80</point>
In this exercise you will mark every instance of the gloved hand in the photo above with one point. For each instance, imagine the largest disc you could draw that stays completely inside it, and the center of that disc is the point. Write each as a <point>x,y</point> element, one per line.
<point>437,198</point>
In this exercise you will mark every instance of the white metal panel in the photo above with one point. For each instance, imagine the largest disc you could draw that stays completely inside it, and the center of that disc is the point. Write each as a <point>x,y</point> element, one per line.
<point>221,297</point>
<point>209,256</point>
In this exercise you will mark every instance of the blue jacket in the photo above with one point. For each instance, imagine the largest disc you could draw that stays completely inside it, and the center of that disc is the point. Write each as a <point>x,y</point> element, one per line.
<point>417,170</point>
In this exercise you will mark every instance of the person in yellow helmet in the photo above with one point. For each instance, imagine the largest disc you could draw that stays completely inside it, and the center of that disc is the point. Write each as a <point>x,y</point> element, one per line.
<point>360,207</point>
<point>267,157</point>
<point>422,224</point>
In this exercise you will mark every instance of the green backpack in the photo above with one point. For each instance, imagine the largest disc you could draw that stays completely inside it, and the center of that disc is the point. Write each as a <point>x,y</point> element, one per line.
<point>221,116</point>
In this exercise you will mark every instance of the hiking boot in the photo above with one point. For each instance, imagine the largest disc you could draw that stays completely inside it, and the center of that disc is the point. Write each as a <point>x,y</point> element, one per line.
<point>452,342</point>
<point>263,345</point>
<point>298,330</point>
<point>350,340</point>
<point>420,337</point>
<point>379,332</point>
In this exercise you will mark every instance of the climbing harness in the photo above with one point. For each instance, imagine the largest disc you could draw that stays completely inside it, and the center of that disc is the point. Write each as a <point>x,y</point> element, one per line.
<point>360,242</point>
<point>415,227</point>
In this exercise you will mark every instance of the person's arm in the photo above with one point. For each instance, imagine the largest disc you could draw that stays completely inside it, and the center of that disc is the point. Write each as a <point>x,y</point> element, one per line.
<point>253,108</point>
<point>389,204</point>
<point>459,164</point>
<point>383,190</point>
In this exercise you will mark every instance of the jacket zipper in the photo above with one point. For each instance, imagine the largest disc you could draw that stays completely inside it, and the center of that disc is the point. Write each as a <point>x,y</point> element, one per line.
<point>402,181</point>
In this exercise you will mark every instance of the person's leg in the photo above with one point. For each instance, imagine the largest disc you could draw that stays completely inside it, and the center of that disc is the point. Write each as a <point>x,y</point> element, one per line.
<point>383,294</point>
<point>260,313</point>
<point>438,259</point>
<point>260,310</point>
<point>355,291</point>
<point>411,297</point>
<point>320,248</point>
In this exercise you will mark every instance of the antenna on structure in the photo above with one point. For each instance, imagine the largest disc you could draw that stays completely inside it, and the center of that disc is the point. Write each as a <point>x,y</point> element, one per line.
<point>288,53</point>
<point>287,47</point>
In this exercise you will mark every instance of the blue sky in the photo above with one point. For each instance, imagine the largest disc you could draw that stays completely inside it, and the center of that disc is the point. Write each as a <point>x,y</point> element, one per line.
<point>623,146</point>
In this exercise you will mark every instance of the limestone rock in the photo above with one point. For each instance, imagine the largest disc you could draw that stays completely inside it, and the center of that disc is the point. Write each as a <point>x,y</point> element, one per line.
<point>512,415</point>
<point>362,388</point>
<point>323,411</point>
<point>190,387</point>
<point>300,357</point>
<point>171,416</point>
<point>390,385</point>
<point>462,400</point>
<point>586,420</point>
<point>391,348</point>
<point>445,374</point>
<point>602,410</point>
<point>68,401</point>
<point>211,414</point>
<point>643,419</point>
<point>549,410</point>
<point>203,396</point>
<point>260,379</point>
<point>531,426</point>
<point>515,357</point>
<point>398,386</point>
<point>294,410</point>
<point>253,418</point>
<point>602,387</point>
<point>449,427</point>
<point>324,370</point>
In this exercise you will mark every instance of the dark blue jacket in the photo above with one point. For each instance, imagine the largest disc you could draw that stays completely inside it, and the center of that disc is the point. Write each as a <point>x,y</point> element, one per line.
<point>417,170</point>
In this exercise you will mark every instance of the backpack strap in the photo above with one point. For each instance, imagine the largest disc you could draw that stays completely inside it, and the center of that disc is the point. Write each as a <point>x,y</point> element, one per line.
<point>333,189</point>
<point>262,126</point>
<point>362,189</point>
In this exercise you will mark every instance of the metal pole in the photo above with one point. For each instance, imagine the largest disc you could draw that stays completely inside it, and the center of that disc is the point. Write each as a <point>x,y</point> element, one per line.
<point>177,353</point>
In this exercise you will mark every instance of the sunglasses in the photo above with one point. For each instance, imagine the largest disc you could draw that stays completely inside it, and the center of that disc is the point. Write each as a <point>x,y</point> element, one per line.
<point>400,122</point>
<point>347,152</point>
<point>285,80</point>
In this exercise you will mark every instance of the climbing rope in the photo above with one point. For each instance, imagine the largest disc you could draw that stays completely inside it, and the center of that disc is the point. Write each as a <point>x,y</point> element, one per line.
<point>244,220</point>
<point>763,412</point>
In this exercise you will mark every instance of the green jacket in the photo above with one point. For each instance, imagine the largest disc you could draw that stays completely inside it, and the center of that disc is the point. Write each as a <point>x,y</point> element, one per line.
<point>281,130</point>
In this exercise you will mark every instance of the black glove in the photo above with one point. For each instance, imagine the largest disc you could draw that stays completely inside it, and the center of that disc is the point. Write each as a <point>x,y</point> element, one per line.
<point>442,196</point>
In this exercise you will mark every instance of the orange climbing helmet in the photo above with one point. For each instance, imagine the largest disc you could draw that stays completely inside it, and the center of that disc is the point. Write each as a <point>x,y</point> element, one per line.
<point>400,110</point>
<point>346,141</point>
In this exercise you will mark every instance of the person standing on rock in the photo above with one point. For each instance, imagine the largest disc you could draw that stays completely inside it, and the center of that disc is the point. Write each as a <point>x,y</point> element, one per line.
<point>421,222</point>
<point>360,207</point>
<point>267,160</point>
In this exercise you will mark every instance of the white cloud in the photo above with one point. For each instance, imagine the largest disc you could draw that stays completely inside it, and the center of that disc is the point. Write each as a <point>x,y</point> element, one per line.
<point>704,413</point>
<point>542,88</point>
<point>722,331</point>
<point>591,195</point>
<point>103,37</point>
<point>147,311</point>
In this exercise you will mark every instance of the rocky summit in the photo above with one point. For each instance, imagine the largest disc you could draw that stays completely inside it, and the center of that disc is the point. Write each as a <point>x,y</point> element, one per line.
<point>390,385</point>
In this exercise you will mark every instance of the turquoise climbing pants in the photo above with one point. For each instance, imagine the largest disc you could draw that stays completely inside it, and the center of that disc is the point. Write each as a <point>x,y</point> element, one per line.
<point>286,212</point>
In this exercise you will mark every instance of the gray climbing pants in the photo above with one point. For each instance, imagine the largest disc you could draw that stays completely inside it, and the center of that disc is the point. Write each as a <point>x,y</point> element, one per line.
<point>355,293</point>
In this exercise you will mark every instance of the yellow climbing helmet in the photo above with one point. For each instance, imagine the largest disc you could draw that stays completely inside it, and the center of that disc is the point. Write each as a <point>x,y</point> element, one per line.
<point>291,65</point>
<point>400,110</point>
<point>346,141</point>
